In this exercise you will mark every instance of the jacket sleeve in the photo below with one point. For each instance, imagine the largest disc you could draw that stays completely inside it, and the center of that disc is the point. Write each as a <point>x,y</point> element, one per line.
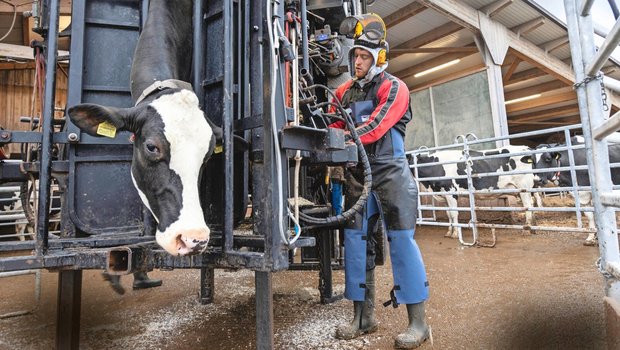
<point>332,109</point>
<point>393,101</point>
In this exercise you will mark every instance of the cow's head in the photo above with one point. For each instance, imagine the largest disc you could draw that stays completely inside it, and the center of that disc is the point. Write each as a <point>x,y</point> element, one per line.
<point>172,141</point>
<point>548,160</point>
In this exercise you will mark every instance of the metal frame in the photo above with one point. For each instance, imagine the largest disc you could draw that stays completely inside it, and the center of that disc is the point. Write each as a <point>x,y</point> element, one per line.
<point>586,63</point>
<point>246,111</point>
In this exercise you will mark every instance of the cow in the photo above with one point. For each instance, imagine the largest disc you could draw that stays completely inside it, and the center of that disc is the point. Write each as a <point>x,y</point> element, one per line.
<point>172,136</point>
<point>457,167</point>
<point>554,159</point>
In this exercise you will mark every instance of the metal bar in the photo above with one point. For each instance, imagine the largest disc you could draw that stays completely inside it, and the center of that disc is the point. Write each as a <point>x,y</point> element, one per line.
<point>68,310</point>
<point>610,44</point>
<point>609,127</point>
<point>510,227</point>
<point>227,120</point>
<point>611,199</point>
<point>264,310</point>
<point>573,175</point>
<point>45,174</point>
<point>9,189</point>
<point>198,52</point>
<point>611,83</point>
<point>590,108</point>
<point>17,273</point>
<point>515,209</point>
<point>144,10</point>
<point>207,285</point>
<point>325,266</point>
<point>586,7</point>
<point>305,62</point>
<point>614,8</point>
<point>472,200</point>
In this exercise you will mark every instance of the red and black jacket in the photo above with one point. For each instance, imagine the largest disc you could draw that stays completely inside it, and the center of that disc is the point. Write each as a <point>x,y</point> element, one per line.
<point>384,132</point>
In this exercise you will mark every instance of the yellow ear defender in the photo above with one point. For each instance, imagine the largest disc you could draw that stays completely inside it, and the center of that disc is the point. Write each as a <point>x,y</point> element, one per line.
<point>381,57</point>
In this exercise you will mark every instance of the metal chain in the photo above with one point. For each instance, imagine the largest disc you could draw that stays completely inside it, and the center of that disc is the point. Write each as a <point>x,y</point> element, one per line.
<point>598,76</point>
<point>600,268</point>
<point>603,94</point>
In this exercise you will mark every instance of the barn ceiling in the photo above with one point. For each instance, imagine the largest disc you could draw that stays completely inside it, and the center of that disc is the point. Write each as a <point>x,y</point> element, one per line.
<point>426,33</point>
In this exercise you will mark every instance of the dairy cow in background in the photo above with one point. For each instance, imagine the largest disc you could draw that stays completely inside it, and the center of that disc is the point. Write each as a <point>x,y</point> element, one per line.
<point>554,159</point>
<point>457,167</point>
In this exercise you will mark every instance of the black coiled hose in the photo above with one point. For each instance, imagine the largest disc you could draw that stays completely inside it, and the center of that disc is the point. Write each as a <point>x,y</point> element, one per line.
<point>359,205</point>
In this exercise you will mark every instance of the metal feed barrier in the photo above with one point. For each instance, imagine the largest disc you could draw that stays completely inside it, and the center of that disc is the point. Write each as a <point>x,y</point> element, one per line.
<point>238,71</point>
<point>465,145</point>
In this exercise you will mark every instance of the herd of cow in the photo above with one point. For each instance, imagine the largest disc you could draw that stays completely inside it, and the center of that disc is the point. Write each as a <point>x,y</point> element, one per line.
<point>517,167</point>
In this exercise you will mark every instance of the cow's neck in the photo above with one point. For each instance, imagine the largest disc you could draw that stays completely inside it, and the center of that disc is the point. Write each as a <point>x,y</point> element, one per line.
<point>164,49</point>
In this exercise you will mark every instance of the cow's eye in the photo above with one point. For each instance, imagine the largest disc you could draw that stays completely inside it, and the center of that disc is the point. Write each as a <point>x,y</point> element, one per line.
<point>151,148</point>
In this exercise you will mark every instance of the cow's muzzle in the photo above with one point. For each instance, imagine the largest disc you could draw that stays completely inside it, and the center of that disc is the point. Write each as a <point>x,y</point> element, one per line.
<point>185,242</point>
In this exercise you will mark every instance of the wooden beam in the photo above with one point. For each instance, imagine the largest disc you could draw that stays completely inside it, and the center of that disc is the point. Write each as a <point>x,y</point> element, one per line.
<point>555,44</point>
<point>429,37</point>
<point>403,14</point>
<point>495,7</point>
<point>399,52</point>
<point>536,89</point>
<point>16,65</point>
<point>528,26</point>
<point>531,73</point>
<point>511,69</point>
<point>547,114</point>
<point>448,77</point>
<point>470,18</point>
<point>456,11</point>
<point>546,123</point>
<point>515,129</point>
<point>21,6</point>
<point>541,101</point>
<point>21,52</point>
<point>433,62</point>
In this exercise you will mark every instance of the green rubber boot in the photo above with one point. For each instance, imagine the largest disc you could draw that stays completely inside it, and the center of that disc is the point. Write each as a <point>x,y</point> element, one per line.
<point>363,313</point>
<point>417,332</point>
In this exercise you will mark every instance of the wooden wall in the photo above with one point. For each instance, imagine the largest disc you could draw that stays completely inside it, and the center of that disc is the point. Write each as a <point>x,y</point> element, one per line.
<point>16,89</point>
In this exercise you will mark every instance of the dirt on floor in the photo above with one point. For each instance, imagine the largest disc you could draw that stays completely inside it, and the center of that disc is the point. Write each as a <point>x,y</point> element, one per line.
<point>538,291</point>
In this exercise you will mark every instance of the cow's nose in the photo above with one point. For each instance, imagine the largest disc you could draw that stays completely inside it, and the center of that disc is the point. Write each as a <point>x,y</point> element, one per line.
<point>185,242</point>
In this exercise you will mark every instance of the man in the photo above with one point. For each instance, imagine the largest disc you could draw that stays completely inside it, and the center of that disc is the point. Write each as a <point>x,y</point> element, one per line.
<point>379,104</point>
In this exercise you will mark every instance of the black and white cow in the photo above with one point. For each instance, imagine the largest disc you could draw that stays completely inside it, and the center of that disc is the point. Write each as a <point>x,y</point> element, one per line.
<point>173,137</point>
<point>490,165</point>
<point>556,159</point>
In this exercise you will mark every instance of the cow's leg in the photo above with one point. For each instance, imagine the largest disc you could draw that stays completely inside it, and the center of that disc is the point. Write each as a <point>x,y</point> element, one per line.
<point>453,216</point>
<point>585,200</point>
<point>526,199</point>
<point>538,198</point>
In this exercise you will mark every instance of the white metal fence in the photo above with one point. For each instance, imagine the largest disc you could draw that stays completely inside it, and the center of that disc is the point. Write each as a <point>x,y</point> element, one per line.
<point>464,144</point>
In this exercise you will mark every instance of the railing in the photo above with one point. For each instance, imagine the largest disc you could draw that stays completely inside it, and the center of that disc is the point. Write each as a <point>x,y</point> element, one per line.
<point>463,148</point>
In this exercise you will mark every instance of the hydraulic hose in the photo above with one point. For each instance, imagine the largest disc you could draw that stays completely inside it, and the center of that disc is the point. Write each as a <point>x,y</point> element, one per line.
<point>359,204</point>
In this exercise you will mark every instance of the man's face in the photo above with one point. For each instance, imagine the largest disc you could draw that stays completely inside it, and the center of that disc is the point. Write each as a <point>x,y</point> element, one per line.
<point>363,60</point>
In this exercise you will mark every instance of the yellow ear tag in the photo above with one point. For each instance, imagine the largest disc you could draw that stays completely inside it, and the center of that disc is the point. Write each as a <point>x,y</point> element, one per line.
<point>218,149</point>
<point>106,129</point>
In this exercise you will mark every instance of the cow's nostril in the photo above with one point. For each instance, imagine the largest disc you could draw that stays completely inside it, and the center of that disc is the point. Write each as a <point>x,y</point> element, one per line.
<point>181,244</point>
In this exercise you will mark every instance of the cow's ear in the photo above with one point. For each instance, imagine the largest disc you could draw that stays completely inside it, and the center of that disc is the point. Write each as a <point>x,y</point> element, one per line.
<point>527,159</point>
<point>98,120</point>
<point>217,131</point>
